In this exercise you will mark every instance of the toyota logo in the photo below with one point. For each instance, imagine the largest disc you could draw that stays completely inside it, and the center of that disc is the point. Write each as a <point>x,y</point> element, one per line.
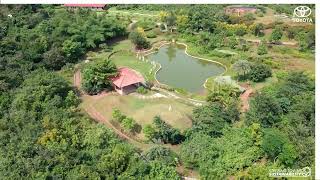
<point>302,11</point>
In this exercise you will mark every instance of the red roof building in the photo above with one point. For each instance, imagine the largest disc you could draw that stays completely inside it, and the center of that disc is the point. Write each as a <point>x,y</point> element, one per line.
<point>91,6</point>
<point>127,80</point>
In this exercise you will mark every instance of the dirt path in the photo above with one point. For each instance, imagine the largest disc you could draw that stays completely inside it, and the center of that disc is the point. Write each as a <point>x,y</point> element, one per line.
<point>126,12</point>
<point>77,79</point>
<point>286,43</point>
<point>244,97</point>
<point>101,119</point>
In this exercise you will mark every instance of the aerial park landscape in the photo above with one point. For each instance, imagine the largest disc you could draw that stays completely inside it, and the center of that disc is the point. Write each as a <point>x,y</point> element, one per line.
<point>155,91</point>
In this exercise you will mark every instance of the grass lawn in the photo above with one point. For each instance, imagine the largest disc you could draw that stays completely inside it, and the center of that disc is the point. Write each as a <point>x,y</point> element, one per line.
<point>143,111</point>
<point>123,58</point>
<point>129,60</point>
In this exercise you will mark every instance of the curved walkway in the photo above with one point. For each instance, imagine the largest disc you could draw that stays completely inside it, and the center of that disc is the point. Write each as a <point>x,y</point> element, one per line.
<point>127,12</point>
<point>153,96</point>
<point>244,97</point>
<point>93,113</point>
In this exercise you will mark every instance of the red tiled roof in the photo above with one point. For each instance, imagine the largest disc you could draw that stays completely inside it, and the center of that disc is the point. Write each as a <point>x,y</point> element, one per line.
<point>85,5</point>
<point>126,77</point>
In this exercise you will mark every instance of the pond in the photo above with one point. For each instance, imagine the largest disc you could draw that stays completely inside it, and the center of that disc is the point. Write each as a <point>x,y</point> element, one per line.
<point>182,71</point>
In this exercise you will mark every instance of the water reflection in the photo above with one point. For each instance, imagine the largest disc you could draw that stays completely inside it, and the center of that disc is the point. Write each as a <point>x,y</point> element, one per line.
<point>182,71</point>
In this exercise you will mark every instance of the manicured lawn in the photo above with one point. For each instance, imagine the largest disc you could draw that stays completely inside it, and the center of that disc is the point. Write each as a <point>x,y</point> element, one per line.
<point>129,60</point>
<point>124,58</point>
<point>143,111</point>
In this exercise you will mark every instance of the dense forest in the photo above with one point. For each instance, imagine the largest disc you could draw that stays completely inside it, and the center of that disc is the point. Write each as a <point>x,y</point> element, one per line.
<point>45,135</point>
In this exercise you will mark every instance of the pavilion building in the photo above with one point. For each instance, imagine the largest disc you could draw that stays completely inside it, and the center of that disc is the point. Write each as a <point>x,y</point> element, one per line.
<point>127,81</point>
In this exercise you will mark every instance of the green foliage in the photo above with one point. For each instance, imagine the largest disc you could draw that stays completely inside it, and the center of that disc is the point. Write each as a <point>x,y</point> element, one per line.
<point>151,34</point>
<point>198,150</point>
<point>259,72</point>
<point>161,154</point>
<point>225,94</point>
<point>233,42</point>
<point>139,40</point>
<point>72,99</point>
<point>96,76</point>
<point>296,83</point>
<point>242,68</point>
<point>149,131</point>
<point>72,50</point>
<point>265,109</point>
<point>128,124</point>
<point>166,133</point>
<point>277,145</point>
<point>212,118</point>
<point>142,90</point>
<point>117,115</point>
<point>216,158</point>
<point>257,29</point>
<point>276,34</point>
<point>262,49</point>
<point>159,171</point>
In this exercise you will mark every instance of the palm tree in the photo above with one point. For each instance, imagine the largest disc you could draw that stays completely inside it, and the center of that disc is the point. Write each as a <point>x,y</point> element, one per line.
<point>242,67</point>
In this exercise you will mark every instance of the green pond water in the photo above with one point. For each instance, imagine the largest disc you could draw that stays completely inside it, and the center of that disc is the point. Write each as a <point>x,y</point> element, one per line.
<point>182,71</point>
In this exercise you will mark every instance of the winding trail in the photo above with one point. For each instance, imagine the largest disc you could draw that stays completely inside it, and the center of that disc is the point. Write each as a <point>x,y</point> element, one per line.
<point>244,97</point>
<point>93,113</point>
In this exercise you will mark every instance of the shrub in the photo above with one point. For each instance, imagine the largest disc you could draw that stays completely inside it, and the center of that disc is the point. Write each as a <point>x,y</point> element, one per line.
<point>117,115</point>
<point>166,133</point>
<point>259,72</point>
<point>139,40</point>
<point>142,90</point>
<point>162,27</point>
<point>149,131</point>
<point>151,34</point>
<point>128,124</point>
<point>96,76</point>
<point>162,154</point>
<point>262,49</point>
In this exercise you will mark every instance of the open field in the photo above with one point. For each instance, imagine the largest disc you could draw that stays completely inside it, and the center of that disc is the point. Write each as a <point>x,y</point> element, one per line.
<point>142,110</point>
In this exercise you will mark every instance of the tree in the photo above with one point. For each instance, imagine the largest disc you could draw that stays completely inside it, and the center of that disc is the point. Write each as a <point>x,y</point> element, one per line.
<point>277,145</point>
<point>139,40</point>
<point>276,34</point>
<point>242,67</point>
<point>163,15</point>
<point>166,133</point>
<point>128,124</point>
<point>149,131</point>
<point>212,119</point>
<point>171,20</point>
<point>117,115</point>
<point>233,42</point>
<point>96,77</point>
<point>72,50</point>
<point>182,21</point>
<point>262,49</point>
<point>72,99</point>
<point>54,59</point>
<point>265,109</point>
<point>259,72</point>
<point>162,172</point>
<point>162,154</point>
<point>257,29</point>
